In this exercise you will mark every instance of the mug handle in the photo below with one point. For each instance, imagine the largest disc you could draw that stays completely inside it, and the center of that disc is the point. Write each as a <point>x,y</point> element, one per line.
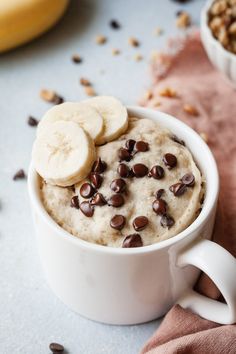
<point>220,266</point>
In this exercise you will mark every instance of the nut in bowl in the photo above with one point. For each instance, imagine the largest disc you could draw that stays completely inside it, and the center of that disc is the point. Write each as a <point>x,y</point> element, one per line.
<point>124,241</point>
<point>218,37</point>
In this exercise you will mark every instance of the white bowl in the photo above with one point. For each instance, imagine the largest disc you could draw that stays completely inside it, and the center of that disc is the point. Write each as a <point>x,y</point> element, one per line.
<point>221,58</point>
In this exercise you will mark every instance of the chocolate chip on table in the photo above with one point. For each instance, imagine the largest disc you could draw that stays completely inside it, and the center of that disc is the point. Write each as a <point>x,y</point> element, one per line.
<point>141,146</point>
<point>156,172</point>
<point>170,160</point>
<point>87,209</point>
<point>56,348</point>
<point>159,206</point>
<point>188,179</point>
<point>167,221</point>
<point>140,222</point>
<point>32,122</point>
<point>19,175</point>
<point>114,24</point>
<point>118,185</point>
<point>96,179</point>
<point>123,170</point>
<point>76,59</point>
<point>140,170</point>
<point>116,200</point>
<point>124,154</point>
<point>133,240</point>
<point>74,203</point>
<point>130,144</point>
<point>159,193</point>
<point>177,140</point>
<point>98,199</point>
<point>117,222</point>
<point>99,166</point>
<point>87,190</point>
<point>178,189</point>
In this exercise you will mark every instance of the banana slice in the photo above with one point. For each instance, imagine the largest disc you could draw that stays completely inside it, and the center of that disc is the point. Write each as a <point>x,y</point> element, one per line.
<point>63,153</point>
<point>87,117</point>
<point>114,114</point>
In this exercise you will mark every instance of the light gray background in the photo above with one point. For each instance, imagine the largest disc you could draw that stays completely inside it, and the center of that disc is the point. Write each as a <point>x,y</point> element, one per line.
<point>30,315</point>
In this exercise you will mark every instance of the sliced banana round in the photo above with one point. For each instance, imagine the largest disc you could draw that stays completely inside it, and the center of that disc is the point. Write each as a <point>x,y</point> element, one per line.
<point>87,117</point>
<point>114,114</point>
<point>63,153</point>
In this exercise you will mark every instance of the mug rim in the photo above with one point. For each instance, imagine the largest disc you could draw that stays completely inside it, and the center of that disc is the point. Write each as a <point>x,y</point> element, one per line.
<point>209,202</point>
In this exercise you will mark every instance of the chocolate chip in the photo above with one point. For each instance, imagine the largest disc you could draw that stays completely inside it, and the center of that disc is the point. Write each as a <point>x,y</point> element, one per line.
<point>56,348</point>
<point>159,193</point>
<point>178,189</point>
<point>33,122</point>
<point>116,200</point>
<point>117,222</point>
<point>156,172</point>
<point>170,160</point>
<point>114,24</point>
<point>140,223</point>
<point>140,170</point>
<point>118,185</point>
<point>177,140</point>
<point>96,179</point>
<point>167,221</point>
<point>99,166</point>
<point>133,240</point>
<point>141,146</point>
<point>130,144</point>
<point>74,203</point>
<point>19,175</point>
<point>76,59</point>
<point>87,190</point>
<point>123,170</point>
<point>188,179</point>
<point>124,154</point>
<point>58,100</point>
<point>87,209</point>
<point>98,199</point>
<point>159,206</point>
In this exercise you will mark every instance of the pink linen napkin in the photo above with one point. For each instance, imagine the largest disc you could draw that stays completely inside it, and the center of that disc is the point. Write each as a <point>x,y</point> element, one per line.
<point>189,76</point>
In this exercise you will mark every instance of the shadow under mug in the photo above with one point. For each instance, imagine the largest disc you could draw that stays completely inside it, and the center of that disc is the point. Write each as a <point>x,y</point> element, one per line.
<point>136,285</point>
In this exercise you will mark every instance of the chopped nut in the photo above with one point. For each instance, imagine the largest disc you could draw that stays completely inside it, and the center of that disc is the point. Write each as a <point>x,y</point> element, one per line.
<point>218,7</point>
<point>190,110</point>
<point>204,136</point>
<point>133,42</point>
<point>84,82</point>
<point>89,91</point>
<point>168,92</point>
<point>76,59</point>
<point>138,57</point>
<point>158,31</point>
<point>183,20</point>
<point>232,28</point>
<point>115,51</point>
<point>148,95</point>
<point>100,39</point>
<point>51,96</point>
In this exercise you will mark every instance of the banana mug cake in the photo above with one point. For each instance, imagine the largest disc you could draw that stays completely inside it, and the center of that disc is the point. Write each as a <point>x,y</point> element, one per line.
<point>115,180</point>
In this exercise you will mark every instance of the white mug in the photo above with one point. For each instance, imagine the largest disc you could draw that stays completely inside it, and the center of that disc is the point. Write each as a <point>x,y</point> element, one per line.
<point>135,285</point>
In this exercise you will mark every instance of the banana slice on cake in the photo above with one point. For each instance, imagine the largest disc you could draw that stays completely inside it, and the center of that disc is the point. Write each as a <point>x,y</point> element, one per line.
<point>63,153</point>
<point>87,117</point>
<point>114,115</point>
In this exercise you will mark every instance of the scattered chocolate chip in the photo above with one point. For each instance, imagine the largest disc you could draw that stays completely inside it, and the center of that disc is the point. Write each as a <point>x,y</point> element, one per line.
<point>99,166</point>
<point>58,100</point>
<point>98,199</point>
<point>170,160</point>
<point>87,209</point>
<point>178,13</point>
<point>141,146</point>
<point>56,348</point>
<point>140,222</point>
<point>116,200</point>
<point>87,190</point>
<point>76,59</point>
<point>133,240</point>
<point>167,221</point>
<point>188,179</point>
<point>140,170</point>
<point>96,179</point>
<point>74,203</point>
<point>156,172</point>
<point>130,144</point>
<point>159,193</point>
<point>124,154</point>
<point>177,140</point>
<point>19,175</point>
<point>33,122</point>
<point>114,24</point>
<point>178,189</point>
<point>159,206</point>
<point>123,170</point>
<point>117,222</point>
<point>118,185</point>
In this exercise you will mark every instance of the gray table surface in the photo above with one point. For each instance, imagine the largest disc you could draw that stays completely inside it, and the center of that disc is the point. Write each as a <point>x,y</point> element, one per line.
<point>30,315</point>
